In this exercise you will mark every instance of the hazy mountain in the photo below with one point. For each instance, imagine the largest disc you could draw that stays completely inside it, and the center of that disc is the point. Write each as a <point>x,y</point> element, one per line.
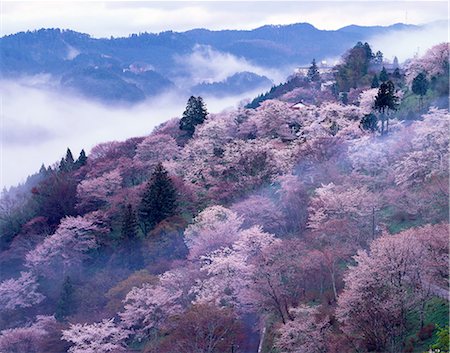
<point>131,69</point>
<point>238,83</point>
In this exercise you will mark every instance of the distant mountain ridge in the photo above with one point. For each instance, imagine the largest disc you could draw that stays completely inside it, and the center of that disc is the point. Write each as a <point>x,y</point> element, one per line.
<point>139,66</point>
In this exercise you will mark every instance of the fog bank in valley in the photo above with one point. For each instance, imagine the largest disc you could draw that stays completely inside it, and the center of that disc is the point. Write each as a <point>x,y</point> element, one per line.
<point>39,124</point>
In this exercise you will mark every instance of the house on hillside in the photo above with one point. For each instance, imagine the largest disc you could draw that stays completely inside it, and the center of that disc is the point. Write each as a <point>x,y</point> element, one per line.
<point>299,105</point>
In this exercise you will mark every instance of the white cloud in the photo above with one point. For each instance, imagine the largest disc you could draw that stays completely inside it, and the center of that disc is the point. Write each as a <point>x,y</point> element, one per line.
<point>406,43</point>
<point>205,64</point>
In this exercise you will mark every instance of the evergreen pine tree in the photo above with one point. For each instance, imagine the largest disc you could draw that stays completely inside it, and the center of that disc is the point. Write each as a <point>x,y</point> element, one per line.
<point>385,101</point>
<point>159,200</point>
<point>313,72</point>
<point>82,159</point>
<point>69,157</point>
<point>375,83</point>
<point>67,164</point>
<point>131,243</point>
<point>420,86</point>
<point>194,115</point>
<point>65,305</point>
<point>396,74</point>
<point>384,75</point>
<point>43,170</point>
<point>369,122</point>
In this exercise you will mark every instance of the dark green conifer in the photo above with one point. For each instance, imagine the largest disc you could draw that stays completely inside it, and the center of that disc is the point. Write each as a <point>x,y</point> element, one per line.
<point>82,159</point>
<point>384,75</point>
<point>65,305</point>
<point>420,86</point>
<point>386,101</point>
<point>130,240</point>
<point>158,201</point>
<point>194,115</point>
<point>313,72</point>
<point>375,83</point>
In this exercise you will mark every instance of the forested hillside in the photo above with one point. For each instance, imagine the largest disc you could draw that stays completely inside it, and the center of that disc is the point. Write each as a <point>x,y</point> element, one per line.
<point>281,227</point>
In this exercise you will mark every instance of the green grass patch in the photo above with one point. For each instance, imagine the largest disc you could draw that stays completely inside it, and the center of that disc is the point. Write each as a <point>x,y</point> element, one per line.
<point>436,313</point>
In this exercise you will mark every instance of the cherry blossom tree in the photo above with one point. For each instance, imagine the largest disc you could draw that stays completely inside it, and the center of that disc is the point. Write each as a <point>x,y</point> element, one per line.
<point>20,293</point>
<point>385,285</point>
<point>213,228</point>
<point>434,63</point>
<point>428,158</point>
<point>147,308</point>
<point>353,204</point>
<point>157,148</point>
<point>306,333</point>
<point>101,337</point>
<point>262,211</point>
<point>94,193</point>
<point>66,247</point>
<point>229,271</point>
<point>293,200</point>
<point>27,339</point>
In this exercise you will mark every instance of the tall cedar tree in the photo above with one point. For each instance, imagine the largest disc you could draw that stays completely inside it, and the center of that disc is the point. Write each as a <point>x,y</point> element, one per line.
<point>131,243</point>
<point>194,115</point>
<point>82,159</point>
<point>375,83</point>
<point>67,164</point>
<point>65,306</point>
<point>369,122</point>
<point>313,72</point>
<point>384,75</point>
<point>420,86</point>
<point>385,101</point>
<point>159,200</point>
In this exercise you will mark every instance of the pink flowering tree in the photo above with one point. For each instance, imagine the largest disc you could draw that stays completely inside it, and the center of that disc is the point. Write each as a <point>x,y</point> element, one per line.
<point>262,211</point>
<point>384,286</point>
<point>20,293</point>
<point>66,248</point>
<point>434,63</point>
<point>307,332</point>
<point>27,339</point>
<point>428,158</point>
<point>100,337</point>
<point>94,193</point>
<point>157,148</point>
<point>229,271</point>
<point>347,203</point>
<point>213,228</point>
<point>147,308</point>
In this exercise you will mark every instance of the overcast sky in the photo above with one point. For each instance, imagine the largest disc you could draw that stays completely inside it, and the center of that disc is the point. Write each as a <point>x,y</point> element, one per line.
<point>120,18</point>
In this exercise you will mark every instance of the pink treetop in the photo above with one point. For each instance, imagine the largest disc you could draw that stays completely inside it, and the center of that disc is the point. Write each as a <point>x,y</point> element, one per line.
<point>213,228</point>
<point>74,236</point>
<point>148,307</point>
<point>97,191</point>
<point>101,337</point>
<point>306,333</point>
<point>339,201</point>
<point>387,283</point>
<point>26,339</point>
<point>229,271</point>
<point>19,293</point>
<point>433,63</point>
<point>260,210</point>
<point>429,156</point>
<point>157,148</point>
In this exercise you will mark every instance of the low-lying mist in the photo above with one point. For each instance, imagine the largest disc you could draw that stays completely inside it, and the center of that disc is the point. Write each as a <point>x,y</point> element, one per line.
<point>39,124</point>
<point>405,44</point>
